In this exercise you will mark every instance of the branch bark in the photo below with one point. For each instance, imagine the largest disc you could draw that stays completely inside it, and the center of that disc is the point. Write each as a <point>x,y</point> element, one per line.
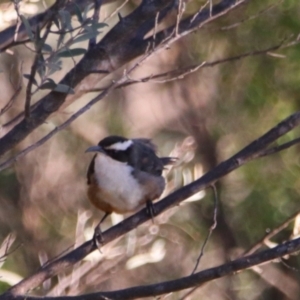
<point>123,43</point>
<point>181,283</point>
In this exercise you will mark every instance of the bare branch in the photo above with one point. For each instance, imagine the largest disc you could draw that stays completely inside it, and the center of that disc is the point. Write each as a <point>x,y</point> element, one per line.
<point>44,139</point>
<point>280,148</point>
<point>181,73</point>
<point>5,246</point>
<point>247,154</point>
<point>173,74</point>
<point>271,233</point>
<point>182,283</point>
<point>107,55</point>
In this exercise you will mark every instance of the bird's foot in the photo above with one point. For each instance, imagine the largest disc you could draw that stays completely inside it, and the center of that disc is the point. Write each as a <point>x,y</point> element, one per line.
<point>98,237</point>
<point>151,210</point>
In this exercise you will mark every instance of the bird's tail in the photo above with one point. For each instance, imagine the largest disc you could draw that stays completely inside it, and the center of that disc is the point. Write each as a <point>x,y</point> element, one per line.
<point>168,160</point>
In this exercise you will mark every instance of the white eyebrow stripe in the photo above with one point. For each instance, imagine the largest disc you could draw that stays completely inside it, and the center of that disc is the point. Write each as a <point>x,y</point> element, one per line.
<point>120,146</point>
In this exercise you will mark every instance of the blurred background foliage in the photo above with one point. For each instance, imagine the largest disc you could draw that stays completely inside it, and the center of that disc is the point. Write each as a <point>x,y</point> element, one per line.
<point>203,119</point>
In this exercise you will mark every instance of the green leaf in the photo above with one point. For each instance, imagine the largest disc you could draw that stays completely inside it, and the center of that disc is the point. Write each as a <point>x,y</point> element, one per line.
<point>41,67</point>
<point>60,40</point>
<point>28,76</point>
<point>65,18</point>
<point>86,10</point>
<point>71,52</point>
<point>78,13</point>
<point>47,48</point>
<point>54,67</point>
<point>63,88</point>
<point>49,85</point>
<point>56,22</point>
<point>85,36</point>
<point>27,27</point>
<point>100,25</point>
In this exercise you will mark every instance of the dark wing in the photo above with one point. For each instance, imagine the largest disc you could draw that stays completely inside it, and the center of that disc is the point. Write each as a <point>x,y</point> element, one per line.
<point>144,158</point>
<point>165,160</point>
<point>146,143</point>
<point>91,170</point>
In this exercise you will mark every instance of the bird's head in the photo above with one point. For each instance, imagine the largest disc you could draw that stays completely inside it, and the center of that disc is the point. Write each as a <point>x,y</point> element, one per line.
<point>116,147</point>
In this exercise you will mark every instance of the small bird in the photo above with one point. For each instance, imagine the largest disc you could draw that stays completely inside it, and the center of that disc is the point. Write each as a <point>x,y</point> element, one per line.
<point>124,175</point>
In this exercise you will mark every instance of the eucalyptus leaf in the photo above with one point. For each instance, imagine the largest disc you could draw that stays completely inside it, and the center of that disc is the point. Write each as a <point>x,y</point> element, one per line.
<point>49,85</point>
<point>85,37</point>
<point>47,48</point>
<point>41,67</point>
<point>63,88</point>
<point>60,39</point>
<point>54,67</point>
<point>56,22</point>
<point>28,76</point>
<point>100,25</point>
<point>78,13</point>
<point>27,27</point>
<point>86,10</point>
<point>65,19</point>
<point>71,52</point>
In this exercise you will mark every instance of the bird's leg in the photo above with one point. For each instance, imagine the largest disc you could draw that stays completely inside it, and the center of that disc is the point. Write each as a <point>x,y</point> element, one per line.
<point>98,237</point>
<point>151,210</point>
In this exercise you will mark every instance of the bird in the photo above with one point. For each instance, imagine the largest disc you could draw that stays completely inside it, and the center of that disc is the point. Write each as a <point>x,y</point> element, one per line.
<point>124,175</point>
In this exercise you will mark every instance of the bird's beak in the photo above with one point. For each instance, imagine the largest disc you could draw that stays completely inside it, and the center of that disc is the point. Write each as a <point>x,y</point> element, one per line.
<point>95,149</point>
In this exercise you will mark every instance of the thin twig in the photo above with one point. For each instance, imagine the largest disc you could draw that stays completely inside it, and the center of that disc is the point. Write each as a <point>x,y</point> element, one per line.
<point>279,148</point>
<point>116,10</point>
<point>199,11</point>
<point>171,36</point>
<point>39,47</point>
<point>16,93</point>
<point>180,11</point>
<point>197,279</point>
<point>9,240</point>
<point>181,73</point>
<point>19,21</point>
<point>189,293</point>
<point>174,35</point>
<point>250,18</point>
<point>211,229</point>
<point>155,30</point>
<point>44,139</point>
<point>271,233</point>
<point>122,83</point>
<point>13,137</point>
<point>64,31</point>
<point>95,18</point>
